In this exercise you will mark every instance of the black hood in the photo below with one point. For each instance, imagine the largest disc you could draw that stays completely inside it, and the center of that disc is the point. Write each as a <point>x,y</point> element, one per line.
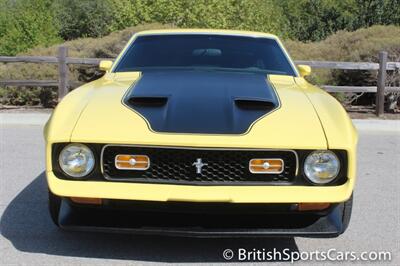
<point>210,102</point>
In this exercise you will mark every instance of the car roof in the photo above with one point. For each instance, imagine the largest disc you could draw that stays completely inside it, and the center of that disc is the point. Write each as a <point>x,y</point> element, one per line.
<point>207,31</point>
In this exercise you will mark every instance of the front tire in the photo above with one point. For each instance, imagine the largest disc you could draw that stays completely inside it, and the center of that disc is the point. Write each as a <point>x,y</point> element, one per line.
<point>54,207</point>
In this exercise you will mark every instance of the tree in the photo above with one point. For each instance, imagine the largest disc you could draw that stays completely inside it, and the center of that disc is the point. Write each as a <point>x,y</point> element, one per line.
<point>83,18</point>
<point>311,20</point>
<point>257,15</point>
<point>372,12</point>
<point>26,24</point>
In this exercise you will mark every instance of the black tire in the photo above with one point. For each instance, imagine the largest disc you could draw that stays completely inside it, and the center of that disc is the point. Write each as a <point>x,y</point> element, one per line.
<point>347,208</point>
<point>54,207</point>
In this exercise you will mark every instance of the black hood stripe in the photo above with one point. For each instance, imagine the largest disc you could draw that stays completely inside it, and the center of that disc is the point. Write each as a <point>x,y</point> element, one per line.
<point>207,102</point>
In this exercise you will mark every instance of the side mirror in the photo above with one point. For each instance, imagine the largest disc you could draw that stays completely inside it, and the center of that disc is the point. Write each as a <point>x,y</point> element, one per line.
<point>105,65</point>
<point>304,70</point>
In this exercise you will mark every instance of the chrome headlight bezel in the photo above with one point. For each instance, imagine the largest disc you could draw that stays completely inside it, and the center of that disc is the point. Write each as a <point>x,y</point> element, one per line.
<point>310,174</point>
<point>87,155</point>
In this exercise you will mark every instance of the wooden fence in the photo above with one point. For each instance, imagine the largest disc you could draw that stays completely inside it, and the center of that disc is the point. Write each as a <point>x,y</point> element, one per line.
<point>62,60</point>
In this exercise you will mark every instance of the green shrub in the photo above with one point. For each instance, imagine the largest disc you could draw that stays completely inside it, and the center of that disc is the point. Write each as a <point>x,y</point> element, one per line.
<point>361,45</point>
<point>87,18</point>
<point>83,18</point>
<point>256,15</point>
<point>26,24</point>
<point>23,96</point>
<point>309,20</point>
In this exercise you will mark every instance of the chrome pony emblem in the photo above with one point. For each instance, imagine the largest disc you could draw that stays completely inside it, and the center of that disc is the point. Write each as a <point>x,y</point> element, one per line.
<point>199,165</point>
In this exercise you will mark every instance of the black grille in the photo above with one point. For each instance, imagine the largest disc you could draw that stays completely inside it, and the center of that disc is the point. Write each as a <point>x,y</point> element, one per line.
<point>174,165</point>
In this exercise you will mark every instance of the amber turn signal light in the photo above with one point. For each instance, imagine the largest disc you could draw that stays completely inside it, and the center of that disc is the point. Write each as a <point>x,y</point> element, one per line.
<point>266,166</point>
<point>94,201</point>
<point>313,206</point>
<point>132,162</point>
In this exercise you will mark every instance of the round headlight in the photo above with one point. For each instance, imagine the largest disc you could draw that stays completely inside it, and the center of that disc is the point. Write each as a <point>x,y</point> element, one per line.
<point>321,167</point>
<point>76,160</point>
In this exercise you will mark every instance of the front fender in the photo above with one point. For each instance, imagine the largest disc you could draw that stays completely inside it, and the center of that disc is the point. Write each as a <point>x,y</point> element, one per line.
<point>339,130</point>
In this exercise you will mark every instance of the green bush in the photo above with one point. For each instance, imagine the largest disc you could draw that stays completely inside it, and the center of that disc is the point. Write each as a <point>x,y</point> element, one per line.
<point>45,97</point>
<point>26,24</point>
<point>361,45</point>
<point>83,18</point>
<point>86,18</point>
<point>315,20</point>
<point>256,15</point>
<point>310,20</point>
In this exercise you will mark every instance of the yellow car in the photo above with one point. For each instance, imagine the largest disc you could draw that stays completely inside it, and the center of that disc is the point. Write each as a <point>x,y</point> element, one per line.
<point>201,133</point>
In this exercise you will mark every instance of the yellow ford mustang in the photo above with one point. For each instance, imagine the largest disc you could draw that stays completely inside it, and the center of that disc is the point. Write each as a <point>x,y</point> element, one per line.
<point>201,133</point>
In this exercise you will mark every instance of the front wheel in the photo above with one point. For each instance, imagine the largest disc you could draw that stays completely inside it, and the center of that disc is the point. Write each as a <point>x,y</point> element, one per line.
<point>54,207</point>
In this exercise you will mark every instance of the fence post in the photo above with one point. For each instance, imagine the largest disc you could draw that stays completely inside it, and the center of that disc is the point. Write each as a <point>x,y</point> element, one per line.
<point>380,93</point>
<point>62,72</point>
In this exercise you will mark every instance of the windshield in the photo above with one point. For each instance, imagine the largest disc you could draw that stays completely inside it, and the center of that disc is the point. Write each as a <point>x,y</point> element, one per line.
<point>200,51</point>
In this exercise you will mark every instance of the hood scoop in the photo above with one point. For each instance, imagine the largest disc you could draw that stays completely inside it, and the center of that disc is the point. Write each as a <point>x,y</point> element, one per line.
<point>149,101</point>
<point>204,102</point>
<point>254,104</point>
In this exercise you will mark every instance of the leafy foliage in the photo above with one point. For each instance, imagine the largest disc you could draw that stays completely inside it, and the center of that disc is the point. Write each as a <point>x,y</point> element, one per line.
<point>372,12</point>
<point>312,20</point>
<point>82,18</point>
<point>256,15</point>
<point>360,45</point>
<point>26,24</point>
<point>46,97</point>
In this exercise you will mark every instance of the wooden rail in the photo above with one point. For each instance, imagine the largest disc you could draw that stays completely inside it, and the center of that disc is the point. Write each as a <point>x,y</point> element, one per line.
<point>31,83</point>
<point>372,89</point>
<point>348,65</point>
<point>51,59</point>
<point>63,84</point>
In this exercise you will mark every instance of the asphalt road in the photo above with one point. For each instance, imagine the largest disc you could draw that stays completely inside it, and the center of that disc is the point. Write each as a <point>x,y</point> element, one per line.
<point>28,237</point>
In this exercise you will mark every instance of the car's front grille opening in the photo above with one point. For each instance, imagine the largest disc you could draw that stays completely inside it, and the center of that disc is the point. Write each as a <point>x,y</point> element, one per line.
<point>178,165</point>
